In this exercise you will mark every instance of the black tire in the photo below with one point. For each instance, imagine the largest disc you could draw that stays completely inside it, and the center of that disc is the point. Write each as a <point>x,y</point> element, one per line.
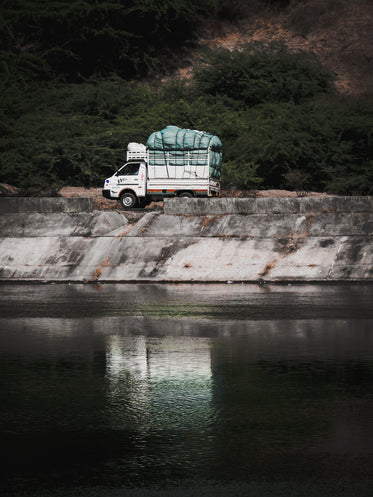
<point>128,200</point>
<point>186,194</point>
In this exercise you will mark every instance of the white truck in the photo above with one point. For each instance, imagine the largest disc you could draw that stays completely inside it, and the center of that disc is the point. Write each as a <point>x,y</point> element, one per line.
<point>174,162</point>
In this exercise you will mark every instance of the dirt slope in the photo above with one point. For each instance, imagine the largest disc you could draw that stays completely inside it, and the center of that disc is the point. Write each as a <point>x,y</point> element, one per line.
<point>339,32</point>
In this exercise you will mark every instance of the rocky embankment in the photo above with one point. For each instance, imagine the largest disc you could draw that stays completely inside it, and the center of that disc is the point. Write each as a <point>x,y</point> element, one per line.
<point>262,240</point>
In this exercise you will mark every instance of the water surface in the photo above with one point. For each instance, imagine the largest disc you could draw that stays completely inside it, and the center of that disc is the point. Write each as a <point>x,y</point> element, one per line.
<point>188,389</point>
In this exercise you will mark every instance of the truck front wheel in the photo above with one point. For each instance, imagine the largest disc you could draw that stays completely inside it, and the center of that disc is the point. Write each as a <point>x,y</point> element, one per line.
<point>128,200</point>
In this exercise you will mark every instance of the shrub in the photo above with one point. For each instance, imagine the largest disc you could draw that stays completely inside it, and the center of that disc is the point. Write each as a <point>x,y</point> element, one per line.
<point>258,74</point>
<point>321,146</point>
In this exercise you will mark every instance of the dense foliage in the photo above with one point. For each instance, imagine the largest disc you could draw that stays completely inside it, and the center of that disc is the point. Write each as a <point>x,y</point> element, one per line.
<point>260,74</point>
<point>81,38</point>
<point>70,104</point>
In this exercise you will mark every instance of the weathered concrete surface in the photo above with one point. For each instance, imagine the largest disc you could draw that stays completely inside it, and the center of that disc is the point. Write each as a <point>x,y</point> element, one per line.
<point>280,241</point>
<point>46,205</point>
<point>271,205</point>
<point>92,224</point>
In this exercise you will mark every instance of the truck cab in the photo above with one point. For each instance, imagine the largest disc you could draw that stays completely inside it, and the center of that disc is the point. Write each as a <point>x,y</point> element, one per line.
<point>128,184</point>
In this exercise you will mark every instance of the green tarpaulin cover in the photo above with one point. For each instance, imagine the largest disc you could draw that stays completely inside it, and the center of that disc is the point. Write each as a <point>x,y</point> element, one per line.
<point>179,141</point>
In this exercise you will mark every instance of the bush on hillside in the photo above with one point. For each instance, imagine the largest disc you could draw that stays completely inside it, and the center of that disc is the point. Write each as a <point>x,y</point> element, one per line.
<point>320,146</point>
<point>258,74</point>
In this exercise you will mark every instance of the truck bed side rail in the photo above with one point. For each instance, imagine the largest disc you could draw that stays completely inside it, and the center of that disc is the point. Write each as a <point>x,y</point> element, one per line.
<point>179,157</point>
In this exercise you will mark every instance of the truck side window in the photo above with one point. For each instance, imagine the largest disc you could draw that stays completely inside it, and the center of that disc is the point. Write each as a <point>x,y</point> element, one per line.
<point>129,170</point>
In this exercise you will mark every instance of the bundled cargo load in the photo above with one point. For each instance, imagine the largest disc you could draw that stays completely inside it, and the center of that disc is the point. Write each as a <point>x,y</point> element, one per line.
<point>175,162</point>
<point>174,146</point>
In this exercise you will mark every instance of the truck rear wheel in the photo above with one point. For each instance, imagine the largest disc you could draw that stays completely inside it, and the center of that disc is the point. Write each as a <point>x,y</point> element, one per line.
<point>186,194</point>
<point>128,200</point>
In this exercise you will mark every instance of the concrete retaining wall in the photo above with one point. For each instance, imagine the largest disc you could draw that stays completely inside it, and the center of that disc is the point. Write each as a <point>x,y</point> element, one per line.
<point>276,240</point>
<point>270,205</point>
<point>43,204</point>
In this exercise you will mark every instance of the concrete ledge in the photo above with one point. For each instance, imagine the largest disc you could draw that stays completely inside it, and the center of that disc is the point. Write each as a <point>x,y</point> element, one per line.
<point>46,205</point>
<point>289,205</point>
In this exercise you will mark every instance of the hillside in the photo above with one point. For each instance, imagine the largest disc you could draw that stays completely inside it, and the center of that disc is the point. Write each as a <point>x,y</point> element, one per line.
<point>338,32</point>
<point>285,84</point>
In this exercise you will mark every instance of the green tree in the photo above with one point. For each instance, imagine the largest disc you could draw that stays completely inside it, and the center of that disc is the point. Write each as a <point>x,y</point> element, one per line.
<point>258,74</point>
<point>88,37</point>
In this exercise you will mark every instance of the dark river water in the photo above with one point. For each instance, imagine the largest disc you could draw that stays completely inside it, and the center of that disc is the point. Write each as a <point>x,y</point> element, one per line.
<point>186,390</point>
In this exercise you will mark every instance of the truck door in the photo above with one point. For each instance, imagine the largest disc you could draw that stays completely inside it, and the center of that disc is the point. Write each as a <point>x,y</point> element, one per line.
<point>133,176</point>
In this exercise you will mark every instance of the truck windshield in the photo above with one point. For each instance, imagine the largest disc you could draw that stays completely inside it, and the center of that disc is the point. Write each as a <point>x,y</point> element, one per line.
<point>129,170</point>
